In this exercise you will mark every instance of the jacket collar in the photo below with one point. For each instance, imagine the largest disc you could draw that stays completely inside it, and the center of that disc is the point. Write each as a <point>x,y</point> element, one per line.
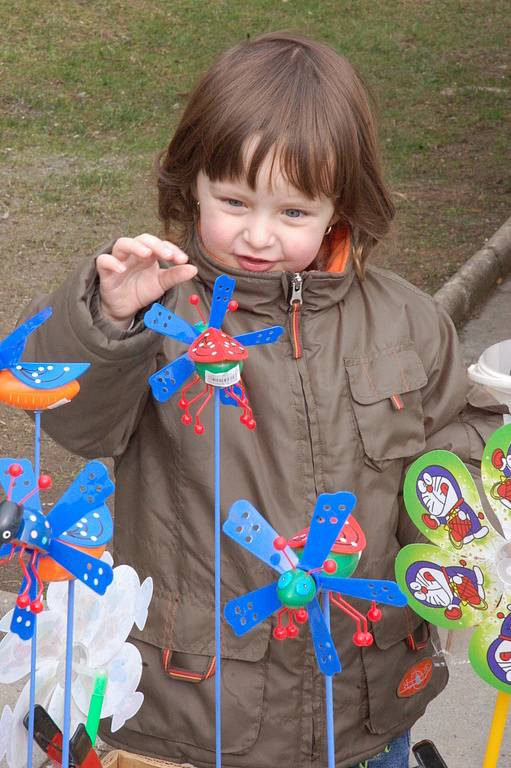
<point>267,293</point>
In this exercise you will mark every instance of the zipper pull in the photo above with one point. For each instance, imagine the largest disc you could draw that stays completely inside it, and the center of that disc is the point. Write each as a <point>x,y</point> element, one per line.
<point>295,302</point>
<point>295,294</point>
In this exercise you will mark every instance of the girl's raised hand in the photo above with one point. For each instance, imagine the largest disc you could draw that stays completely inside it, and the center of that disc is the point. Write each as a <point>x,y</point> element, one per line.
<point>130,277</point>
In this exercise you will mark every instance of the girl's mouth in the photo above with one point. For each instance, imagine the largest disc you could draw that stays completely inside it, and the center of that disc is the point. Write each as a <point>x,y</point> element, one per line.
<point>253,265</point>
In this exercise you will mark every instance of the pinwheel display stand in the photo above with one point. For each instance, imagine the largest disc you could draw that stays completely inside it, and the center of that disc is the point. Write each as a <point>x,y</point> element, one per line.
<point>57,548</point>
<point>493,372</point>
<point>462,578</point>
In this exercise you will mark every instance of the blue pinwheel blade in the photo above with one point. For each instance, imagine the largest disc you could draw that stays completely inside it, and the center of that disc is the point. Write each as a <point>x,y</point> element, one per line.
<point>265,336</point>
<point>165,382</point>
<point>330,514</point>
<point>326,654</point>
<point>5,551</point>
<point>23,484</point>
<point>94,529</point>
<point>85,495</point>
<point>246,612</point>
<point>94,573</point>
<point>48,375</point>
<point>226,399</point>
<point>379,590</point>
<point>23,620</point>
<point>11,348</point>
<point>249,528</point>
<point>162,320</point>
<point>222,292</point>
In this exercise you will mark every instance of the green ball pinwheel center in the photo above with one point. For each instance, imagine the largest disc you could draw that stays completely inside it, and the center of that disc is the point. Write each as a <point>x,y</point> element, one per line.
<point>295,589</point>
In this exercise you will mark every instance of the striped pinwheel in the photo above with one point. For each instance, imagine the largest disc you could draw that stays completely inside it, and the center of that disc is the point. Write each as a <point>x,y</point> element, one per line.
<point>35,386</point>
<point>463,578</point>
<point>295,593</point>
<point>213,356</point>
<point>64,544</point>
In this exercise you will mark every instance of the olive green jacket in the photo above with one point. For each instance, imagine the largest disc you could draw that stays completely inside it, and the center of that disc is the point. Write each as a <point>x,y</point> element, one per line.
<point>325,422</point>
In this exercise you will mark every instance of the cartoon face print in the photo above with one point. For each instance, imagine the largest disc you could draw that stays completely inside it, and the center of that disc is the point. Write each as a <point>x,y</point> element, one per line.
<point>502,461</point>
<point>438,492</point>
<point>503,658</point>
<point>449,588</point>
<point>502,489</point>
<point>499,652</point>
<point>429,585</point>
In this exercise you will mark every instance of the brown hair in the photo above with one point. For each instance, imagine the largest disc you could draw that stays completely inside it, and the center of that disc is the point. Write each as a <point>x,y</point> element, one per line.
<point>309,107</point>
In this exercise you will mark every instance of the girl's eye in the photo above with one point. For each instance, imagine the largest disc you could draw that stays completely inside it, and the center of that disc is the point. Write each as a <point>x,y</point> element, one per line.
<point>294,213</point>
<point>233,202</point>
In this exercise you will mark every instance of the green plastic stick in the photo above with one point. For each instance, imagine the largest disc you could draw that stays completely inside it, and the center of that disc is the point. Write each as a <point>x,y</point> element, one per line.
<point>96,705</point>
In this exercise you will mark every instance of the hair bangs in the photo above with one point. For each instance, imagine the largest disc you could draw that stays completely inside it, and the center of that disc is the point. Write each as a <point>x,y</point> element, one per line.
<point>289,129</point>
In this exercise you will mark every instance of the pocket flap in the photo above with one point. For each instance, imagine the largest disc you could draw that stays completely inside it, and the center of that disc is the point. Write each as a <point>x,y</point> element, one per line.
<point>393,371</point>
<point>396,624</point>
<point>193,632</point>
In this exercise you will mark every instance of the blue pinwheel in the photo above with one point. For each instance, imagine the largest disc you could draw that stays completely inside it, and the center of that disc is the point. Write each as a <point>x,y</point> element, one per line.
<point>35,386</point>
<point>215,357</point>
<point>295,593</point>
<point>64,544</point>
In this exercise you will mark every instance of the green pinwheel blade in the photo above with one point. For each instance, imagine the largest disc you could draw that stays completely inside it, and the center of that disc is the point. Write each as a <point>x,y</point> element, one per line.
<point>490,650</point>
<point>442,500</point>
<point>496,475</point>
<point>448,590</point>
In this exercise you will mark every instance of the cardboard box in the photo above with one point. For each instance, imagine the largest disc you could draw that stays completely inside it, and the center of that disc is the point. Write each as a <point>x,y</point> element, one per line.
<point>120,759</point>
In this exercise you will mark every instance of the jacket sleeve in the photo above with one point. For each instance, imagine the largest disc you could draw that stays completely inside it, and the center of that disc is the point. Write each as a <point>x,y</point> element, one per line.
<point>458,416</point>
<point>114,390</point>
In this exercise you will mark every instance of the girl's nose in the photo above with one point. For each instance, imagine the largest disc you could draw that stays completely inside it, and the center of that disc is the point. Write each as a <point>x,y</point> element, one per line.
<point>258,233</point>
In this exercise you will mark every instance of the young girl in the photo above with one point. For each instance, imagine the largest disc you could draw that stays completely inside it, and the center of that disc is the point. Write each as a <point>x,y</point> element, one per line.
<point>273,177</point>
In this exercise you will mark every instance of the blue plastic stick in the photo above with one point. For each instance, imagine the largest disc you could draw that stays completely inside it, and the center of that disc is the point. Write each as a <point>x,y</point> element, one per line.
<point>66,730</point>
<point>329,692</point>
<point>33,646</point>
<point>218,607</point>
<point>33,660</point>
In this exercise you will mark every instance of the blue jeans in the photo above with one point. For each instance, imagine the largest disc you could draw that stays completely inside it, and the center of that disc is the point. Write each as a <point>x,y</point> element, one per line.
<point>395,755</point>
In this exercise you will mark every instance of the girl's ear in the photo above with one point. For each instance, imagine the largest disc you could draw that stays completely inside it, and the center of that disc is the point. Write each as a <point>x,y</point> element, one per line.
<point>334,219</point>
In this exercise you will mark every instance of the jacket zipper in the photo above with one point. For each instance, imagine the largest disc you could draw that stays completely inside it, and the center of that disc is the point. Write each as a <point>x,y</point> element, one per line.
<point>295,302</point>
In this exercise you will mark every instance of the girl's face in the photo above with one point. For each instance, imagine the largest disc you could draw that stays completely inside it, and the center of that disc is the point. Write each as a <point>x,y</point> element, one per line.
<point>272,228</point>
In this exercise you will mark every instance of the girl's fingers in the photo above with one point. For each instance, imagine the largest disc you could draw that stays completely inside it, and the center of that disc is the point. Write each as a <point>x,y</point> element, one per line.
<point>125,247</point>
<point>148,247</point>
<point>163,249</point>
<point>106,262</point>
<point>175,275</point>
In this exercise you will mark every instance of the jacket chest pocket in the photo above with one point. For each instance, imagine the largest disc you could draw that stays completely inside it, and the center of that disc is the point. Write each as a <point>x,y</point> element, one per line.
<point>387,403</point>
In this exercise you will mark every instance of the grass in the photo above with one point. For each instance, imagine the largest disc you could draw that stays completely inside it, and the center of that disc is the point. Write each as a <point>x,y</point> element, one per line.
<point>92,90</point>
<point>99,86</point>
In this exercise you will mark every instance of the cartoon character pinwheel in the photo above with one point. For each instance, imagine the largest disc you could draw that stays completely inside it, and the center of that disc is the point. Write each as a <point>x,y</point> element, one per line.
<point>294,594</point>
<point>463,578</point>
<point>64,544</point>
<point>35,386</point>
<point>214,357</point>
